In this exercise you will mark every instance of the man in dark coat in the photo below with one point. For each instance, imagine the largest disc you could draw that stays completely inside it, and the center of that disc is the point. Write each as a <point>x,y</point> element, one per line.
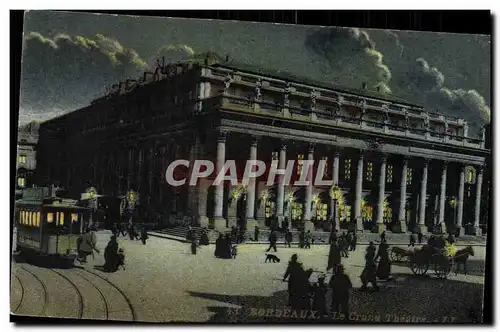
<point>302,239</point>
<point>384,265</point>
<point>85,245</point>
<point>341,286</point>
<point>218,246</point>
<point>111,255</point>
<point>256,233</point>
<point>319,297</point>
<point>204,238</point>
<point>293,272</point>
<point>307,240</point>
<point>343,246</point>
<point>383,237</point>
<point>369,272</point>
<point>451,238</point>
<point>144,235</point>
<point>272,241</point>
<point>333,236</point>
<point>288,238</point>
<point>333,258</point>
<point>285,225</point>
<point>354,240</point>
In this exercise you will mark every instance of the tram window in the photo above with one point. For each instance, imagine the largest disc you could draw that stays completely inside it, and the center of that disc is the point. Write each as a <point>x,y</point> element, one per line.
<point>61,218</point>
<point>74,217</point>
<point>50,217</point>
<point>37,223</point>
<point>21,217</point>
<point>29,217</point>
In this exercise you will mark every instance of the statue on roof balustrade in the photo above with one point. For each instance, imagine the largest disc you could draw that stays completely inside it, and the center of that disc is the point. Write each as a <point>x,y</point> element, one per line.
<point>287,90</point>
<point>227,82</point>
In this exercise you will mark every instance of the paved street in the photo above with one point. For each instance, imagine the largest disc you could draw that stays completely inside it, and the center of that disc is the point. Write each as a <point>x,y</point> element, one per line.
<point>163,282</point>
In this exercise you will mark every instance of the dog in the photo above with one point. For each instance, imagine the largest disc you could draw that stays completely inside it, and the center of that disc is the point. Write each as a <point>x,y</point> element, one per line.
<point>272,258</point>
<point>121,259</point>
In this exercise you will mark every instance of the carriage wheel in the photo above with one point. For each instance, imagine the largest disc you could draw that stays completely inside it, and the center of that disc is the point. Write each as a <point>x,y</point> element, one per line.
<point>442,266</point>
<point>419,269</point>
<point>396,257</point>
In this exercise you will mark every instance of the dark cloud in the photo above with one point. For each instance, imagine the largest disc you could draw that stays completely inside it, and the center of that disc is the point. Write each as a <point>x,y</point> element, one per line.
<point>430,81</point>
<point>62,73</point>
<point>351,51</point>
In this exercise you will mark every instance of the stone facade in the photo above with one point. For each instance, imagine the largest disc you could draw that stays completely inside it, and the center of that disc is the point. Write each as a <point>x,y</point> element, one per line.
<point>394,166</point>
<point>26,155</point>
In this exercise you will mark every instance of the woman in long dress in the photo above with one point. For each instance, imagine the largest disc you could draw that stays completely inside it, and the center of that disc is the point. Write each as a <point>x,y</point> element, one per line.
<point>111,255</point>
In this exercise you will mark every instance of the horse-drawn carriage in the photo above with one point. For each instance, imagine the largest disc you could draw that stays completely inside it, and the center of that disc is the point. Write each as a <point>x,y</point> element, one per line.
<point>442,260</point>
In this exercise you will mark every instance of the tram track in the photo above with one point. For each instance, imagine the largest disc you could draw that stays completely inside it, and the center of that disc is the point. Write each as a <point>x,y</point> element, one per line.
<point>44,287</point>
<point>125,297</point>
<point>22,293</point>
<point>78,292</point>
<point>101,295</point>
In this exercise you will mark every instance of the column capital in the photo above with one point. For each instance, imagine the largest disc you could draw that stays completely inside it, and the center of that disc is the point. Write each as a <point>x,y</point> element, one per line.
<point>255,140</point>
<point>383,157</point>
<point>361,153</point>
<point>462,167</point>
<point>445,163</point>
<point>406,158</point>
<point>426,161</point>
<point>336,151</point>
<point>221,138</point>
<point>283,146</point>
<point>480,168</point>
<point>310,147</point>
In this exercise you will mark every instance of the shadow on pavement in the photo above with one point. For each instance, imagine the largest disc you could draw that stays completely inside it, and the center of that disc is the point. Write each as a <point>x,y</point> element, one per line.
<point>406,298</point>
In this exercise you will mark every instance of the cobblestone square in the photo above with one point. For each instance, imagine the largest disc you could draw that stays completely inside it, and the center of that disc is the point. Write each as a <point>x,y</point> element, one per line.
<point>164,282</point>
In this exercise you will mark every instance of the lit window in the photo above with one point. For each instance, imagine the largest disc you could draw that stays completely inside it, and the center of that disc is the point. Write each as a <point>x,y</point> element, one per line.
<point>389,174</point>
<point>347,169</point>
<point>37,220</point>
<point>21,159</point>
<point>300,163</point>
<point>321,211</point>
<point>30,215</point>
<point>297,210</point>
<point>50,217</point>
<point>61,218</point>
<point>269,208</point>
<point>409,176</point>
<point>74,217</point>
<point>470,176</point>
<point>20,182</point>
<point>369,172</point>
<point>347,212</point>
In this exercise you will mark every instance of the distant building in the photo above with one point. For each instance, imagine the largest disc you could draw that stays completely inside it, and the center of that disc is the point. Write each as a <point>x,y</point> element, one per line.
<point>26,155</point>
<point>396,166</point>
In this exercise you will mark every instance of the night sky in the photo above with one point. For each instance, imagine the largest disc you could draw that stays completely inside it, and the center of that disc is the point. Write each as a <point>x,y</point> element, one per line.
<point>69,58</point>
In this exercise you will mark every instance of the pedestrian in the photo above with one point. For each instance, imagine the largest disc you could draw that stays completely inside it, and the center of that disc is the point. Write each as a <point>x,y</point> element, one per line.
<point>420,237</point>
<point>412,239</point>
<point>132,233</point>
<point>369,272</point>
<point>319,297</point>
<point>144,235</point>
<point>272,241</point>
<point>194,245</point>
<point>204,238</point>
<point>348,238</point>
<point>343,244</point>
<point>307,240</point>
<point>341,286</point>
<point>384,265</point>
<point>451,238</point>
<point>256,233</point>
<point>333,236</point>
<point>354,240</point>
<point>293,272</point>
<point>218,246</point>
<point>302,239</point>
<point>288,238</point>
<point>382,237</point>
<point>333,258</point>
<point>285,225</point>
<point>86,243</point>
<point>123,229</point>
<point>111,259</point>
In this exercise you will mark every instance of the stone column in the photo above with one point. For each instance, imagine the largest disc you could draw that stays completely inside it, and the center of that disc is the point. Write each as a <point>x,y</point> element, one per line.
<point>423,199</point>
<point>475,230</point>
<point>308,225</point>
<point>460,201</point>
<point>401,226</point>
<point>250,213</point>
<point>359,191</point>
<point>281,186</point>
<point>441,226</point>
<point>335,178</point>
<point>219,221</point>
<point>379,223</point>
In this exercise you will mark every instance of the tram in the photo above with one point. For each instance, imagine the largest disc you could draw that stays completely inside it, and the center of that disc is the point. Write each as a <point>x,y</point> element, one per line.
<point>48,227</point>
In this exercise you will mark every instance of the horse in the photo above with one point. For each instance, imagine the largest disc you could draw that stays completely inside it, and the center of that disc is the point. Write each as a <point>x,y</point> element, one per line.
<point>461,257</point>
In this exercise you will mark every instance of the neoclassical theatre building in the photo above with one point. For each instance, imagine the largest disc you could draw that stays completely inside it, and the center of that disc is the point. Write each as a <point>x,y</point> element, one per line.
<point>394,166</point>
